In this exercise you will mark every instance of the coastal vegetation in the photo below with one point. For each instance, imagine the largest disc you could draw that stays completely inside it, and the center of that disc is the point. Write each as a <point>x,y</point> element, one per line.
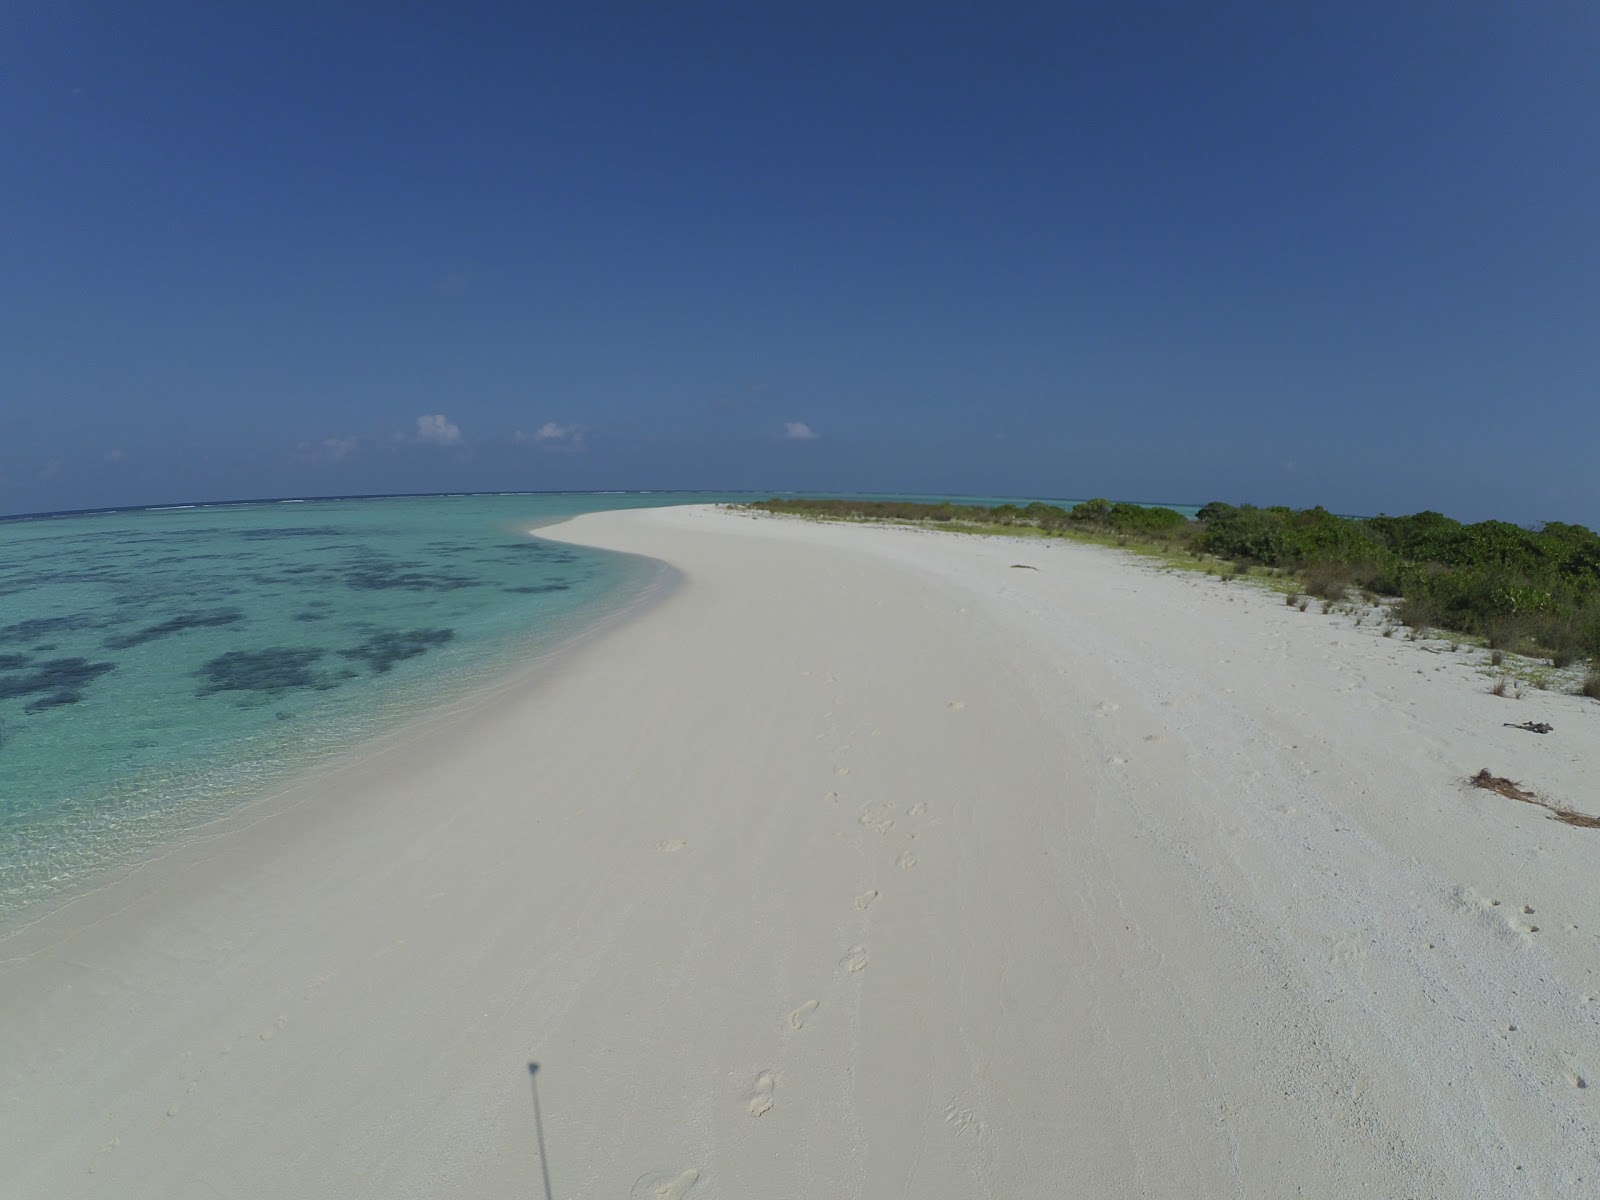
<point>1532,591</point>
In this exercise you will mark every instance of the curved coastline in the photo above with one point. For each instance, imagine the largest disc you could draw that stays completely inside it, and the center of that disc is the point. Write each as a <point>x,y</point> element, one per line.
<point>860,861</point>
<point>166,831</point>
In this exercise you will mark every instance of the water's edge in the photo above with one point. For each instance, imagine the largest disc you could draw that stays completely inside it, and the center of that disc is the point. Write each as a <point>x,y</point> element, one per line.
<point>543,658</point>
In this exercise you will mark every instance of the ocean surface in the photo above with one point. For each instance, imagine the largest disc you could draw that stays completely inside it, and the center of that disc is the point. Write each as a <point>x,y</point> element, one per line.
<point>159,666</point>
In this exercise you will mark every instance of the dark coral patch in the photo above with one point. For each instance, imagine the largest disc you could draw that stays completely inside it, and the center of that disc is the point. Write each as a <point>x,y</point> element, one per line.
<point>177,624</point>
<point>545,550</point>
<point>276,670</point>
<point>54,700</point>
<point>13,662</point>
<point>289,531</point>
<point>27,631</point>
<point>54,675</point>
<point>381,576</point>
<point>540,590</point>
<point>381,651</point>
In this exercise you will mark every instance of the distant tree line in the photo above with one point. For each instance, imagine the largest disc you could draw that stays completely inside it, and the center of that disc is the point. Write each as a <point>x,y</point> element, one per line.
<point>1101,515</point>
<point>1536,590</point>
<point>1509,584</point>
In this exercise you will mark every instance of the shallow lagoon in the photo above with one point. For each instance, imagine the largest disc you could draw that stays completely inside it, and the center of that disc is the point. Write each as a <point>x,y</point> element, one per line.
<point>159,665</point>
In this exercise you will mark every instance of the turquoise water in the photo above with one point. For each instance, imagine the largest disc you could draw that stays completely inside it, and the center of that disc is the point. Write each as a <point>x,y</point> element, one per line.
<point>158,666</point>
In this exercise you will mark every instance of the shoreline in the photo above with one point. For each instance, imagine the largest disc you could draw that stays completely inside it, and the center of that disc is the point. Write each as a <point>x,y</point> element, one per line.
<point>462,696</point>
<point>861,859</point>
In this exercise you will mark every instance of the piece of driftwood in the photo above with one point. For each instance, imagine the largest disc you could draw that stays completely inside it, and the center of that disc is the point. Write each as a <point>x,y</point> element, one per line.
<point>1530,726</point>
<point>1502,786</point>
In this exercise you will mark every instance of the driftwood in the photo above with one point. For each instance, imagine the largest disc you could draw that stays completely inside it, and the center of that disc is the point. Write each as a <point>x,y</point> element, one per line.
<point>1502,786</point>
<point>1530,726</point>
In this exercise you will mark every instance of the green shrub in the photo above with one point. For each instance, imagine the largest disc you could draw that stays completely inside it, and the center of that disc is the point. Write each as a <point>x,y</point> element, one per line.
<point>1247,534</point>
<point>1420,612</point>
<point>1329,579</point>
<point>1504,633</point>
<point>1046,516</point>
<point>1096,511</point>
<point>1143,518</point>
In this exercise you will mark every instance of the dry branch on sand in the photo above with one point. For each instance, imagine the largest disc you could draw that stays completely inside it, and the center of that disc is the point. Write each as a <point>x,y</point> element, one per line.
<point>1500,785</point>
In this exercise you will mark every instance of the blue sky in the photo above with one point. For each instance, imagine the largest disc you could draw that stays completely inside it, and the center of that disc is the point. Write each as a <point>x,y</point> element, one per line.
<point>1282,253</point>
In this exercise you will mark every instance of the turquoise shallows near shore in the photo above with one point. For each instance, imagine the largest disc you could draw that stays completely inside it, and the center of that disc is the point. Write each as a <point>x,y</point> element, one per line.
<point>158,666</point>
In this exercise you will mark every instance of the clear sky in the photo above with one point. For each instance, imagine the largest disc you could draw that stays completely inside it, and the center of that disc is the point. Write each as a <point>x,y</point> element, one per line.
<point>1341,253</point>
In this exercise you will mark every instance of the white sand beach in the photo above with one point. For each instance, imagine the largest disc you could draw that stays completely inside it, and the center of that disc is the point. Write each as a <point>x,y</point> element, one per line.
<point>866,862</point>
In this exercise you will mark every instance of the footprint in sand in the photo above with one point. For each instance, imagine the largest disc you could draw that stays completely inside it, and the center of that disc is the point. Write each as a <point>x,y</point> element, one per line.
<point>864,901</point>
<point>831,797</point>
<point>876,818</point>
<point>906,861</point>
<point>919,809</point>
<point>854,959</point>
<point>1518,923</point>
<point>1470,900</point>
<point>956,704</point>
<point>797,1019</point>
<point>1514,922</point>
<point>761,1094</point>
<point>1570,1072</point>
<point>1105,708</point>
<point>841,770</point>
<point>670,845</point>
<point>664,1186</point>
<point>1348,949</point>
<point>961,1118</point>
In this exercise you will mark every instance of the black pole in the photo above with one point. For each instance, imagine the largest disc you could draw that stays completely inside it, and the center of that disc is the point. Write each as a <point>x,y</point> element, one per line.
<point>538,1128</point>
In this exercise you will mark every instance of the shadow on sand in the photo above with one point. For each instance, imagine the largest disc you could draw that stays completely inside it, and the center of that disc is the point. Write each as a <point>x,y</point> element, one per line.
<point>538,1129</point>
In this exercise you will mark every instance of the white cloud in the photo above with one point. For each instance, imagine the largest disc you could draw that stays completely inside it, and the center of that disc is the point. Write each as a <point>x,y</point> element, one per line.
<point>336,448</point>
<point>437,431</point>
<point>551,436</point>
<point>333,449</point>
<point>798,431</point>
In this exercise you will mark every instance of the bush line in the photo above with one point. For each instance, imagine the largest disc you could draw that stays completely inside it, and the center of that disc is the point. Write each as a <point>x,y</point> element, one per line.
<point>1534,591</point>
